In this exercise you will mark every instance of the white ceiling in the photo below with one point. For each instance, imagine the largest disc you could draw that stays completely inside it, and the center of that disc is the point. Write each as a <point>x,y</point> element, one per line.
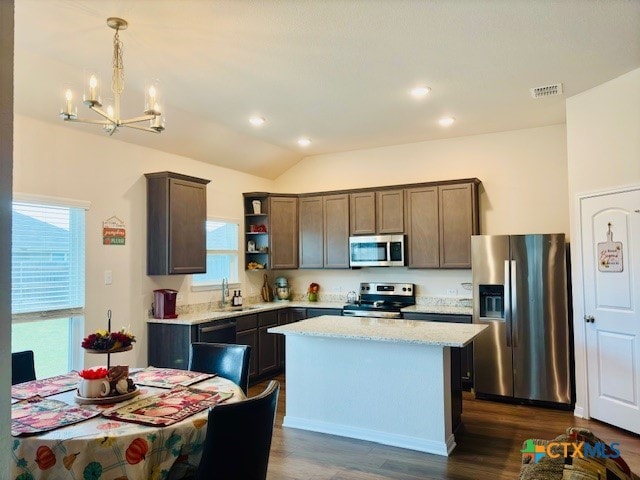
<point>337,71</point>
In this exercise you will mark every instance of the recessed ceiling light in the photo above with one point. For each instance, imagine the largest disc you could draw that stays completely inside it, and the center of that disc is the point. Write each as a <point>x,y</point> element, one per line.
<point>256,121</point>
<point>304,142</point>
<point>420,92</point>
<point>446,121</point>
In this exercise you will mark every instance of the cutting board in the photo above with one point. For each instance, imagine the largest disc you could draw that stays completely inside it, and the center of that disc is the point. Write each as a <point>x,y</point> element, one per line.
<point>267,291</point>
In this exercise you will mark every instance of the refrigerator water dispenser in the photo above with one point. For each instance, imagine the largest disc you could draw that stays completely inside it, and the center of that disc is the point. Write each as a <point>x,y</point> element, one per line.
<point>491,301</point>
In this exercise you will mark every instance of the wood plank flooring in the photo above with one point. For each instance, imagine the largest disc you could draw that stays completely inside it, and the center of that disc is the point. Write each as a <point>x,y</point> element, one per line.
<point>489,444</point>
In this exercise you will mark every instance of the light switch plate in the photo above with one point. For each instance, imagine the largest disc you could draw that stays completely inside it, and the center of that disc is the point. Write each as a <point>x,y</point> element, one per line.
<point>108,277</point>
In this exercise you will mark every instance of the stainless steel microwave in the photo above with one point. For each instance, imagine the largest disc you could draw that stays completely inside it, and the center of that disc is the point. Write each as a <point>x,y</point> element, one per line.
<point>376,251</point>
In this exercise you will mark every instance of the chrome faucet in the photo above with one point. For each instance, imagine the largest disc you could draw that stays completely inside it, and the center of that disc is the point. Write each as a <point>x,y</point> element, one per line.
<point>225,291</point>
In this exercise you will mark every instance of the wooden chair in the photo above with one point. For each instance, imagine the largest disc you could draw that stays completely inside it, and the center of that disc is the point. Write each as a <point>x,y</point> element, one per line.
<point>228,360</point>
<point>22,367</point>
<point>238,440</point>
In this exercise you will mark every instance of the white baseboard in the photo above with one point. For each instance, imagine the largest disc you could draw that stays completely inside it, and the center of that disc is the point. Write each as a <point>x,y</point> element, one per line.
<point>411,443</point>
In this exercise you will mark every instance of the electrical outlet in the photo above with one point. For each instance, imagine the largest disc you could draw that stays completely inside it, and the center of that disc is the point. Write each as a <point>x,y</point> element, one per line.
<point>452,292</point>
<point>108,277</point>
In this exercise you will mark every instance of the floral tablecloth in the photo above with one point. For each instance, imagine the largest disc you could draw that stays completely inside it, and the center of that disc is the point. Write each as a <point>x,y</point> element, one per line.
<point>106,449</point>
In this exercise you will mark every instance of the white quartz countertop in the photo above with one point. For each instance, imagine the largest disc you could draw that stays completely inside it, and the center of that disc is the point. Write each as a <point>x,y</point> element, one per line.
<point>439,309</point>
<point>211,315</point>
<point>384,329</point>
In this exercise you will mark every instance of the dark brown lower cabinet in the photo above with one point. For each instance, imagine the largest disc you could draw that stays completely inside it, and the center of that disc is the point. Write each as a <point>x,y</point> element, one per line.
<point>267,343</point>
<point>169,343</point>
<point>317,312</point>
<point>247,334</point>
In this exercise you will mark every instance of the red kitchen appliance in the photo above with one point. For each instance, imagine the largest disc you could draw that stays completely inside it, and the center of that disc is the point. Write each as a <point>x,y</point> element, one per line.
<point>164,304</point>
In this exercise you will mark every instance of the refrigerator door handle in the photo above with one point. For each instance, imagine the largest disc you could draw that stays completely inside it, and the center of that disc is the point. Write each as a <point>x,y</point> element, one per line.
<point>514,304</point>
<point>507,303</point>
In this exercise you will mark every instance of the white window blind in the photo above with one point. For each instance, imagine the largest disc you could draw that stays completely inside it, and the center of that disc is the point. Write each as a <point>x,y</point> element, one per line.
<point>222,254</point>
<point>47,260</point>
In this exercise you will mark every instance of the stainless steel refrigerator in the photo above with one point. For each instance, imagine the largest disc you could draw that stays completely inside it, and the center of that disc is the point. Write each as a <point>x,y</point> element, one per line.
<point>520,292</point>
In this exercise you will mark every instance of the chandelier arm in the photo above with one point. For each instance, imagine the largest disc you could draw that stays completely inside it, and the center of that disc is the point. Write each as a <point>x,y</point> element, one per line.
<point>144,129</point>
<point>104,114</point>
<point>143,118</point>
<point>93,122</point>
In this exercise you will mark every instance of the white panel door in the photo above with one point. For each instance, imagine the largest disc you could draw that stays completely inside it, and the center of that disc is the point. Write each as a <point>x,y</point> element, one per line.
<point>610,227</point>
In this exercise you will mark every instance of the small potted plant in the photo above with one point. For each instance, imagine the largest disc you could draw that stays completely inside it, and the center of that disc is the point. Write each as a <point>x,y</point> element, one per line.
<point>312,292</point>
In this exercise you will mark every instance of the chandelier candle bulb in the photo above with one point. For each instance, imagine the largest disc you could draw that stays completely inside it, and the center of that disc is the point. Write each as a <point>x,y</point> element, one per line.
<point>68,105</point>
<point>151,106</point>
<point>93,89</point>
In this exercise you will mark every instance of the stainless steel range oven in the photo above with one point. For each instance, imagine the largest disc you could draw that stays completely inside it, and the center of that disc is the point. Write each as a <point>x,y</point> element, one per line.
<point>385,300</point>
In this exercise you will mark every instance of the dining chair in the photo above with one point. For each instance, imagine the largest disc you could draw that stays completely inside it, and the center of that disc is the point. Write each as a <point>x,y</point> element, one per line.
<point>238,440</point>
<point>22,367</point>
<point>228,360</point>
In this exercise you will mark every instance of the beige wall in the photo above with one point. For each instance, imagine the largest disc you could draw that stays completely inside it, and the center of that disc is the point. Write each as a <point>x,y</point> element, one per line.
<point>58,160</point>
<point>603,145</point>
<point>524,190</point>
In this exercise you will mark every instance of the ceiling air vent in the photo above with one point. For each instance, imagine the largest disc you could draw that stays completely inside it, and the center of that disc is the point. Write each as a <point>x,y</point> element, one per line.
<point>546,91</point>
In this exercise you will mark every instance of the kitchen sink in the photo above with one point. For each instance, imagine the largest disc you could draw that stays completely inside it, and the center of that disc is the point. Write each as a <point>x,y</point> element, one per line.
<point>235,309</point>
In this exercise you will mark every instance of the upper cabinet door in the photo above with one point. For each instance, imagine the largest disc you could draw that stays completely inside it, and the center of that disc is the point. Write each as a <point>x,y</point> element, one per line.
<point>283,220</point>
<point>336,231</point>
<point>176,220</point>
<point>390,211</point>
<point>458,221</point>
<point>311,232</point>
<point>363,213</point>
<point>423,239</point>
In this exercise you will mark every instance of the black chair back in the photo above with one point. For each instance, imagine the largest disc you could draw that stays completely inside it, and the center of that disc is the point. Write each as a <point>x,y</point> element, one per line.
<point>238,438</point>
<point>228,360</point>
<point>22,367</point>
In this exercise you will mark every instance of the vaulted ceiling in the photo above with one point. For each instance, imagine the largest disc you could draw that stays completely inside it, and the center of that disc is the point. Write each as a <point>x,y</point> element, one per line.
<point>336,71</point>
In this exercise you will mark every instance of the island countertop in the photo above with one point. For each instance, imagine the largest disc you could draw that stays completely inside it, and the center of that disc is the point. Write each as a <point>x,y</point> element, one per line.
<point>384,329</point>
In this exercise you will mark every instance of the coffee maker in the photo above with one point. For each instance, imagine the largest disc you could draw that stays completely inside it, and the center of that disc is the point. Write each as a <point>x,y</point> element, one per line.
<point>164,303</point>
<point>282,289</point>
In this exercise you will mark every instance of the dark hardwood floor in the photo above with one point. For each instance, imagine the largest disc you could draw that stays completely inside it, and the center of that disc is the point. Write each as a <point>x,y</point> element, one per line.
<point>489,444</point>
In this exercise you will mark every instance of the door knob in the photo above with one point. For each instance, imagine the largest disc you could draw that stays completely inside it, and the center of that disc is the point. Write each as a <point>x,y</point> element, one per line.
<point>589,319</point>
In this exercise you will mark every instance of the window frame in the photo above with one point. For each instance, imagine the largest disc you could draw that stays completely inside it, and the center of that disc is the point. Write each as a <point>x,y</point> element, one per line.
<point>74,315</point>
<point>213,286</point>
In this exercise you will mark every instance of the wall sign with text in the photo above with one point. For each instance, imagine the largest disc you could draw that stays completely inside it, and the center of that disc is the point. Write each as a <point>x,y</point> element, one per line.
<point>610,254</point>
<point>113,231</point>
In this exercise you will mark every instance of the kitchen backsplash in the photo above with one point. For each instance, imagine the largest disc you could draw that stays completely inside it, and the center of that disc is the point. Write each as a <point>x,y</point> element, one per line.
<point>337,298</point>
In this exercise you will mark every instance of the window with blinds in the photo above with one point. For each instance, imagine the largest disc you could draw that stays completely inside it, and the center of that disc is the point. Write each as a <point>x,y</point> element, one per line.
<point>48,282</point>
<point>222,255</point>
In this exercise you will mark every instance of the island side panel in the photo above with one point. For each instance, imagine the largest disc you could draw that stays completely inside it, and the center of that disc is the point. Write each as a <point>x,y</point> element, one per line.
<point>392,393</point>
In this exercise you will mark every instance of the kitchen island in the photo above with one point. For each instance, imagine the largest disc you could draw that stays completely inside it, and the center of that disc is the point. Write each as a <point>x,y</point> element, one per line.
<point>375,379</point>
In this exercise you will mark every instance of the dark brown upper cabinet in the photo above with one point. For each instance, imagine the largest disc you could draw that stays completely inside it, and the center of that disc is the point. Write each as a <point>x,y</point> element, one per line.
<point>283,217</point>
<point>377,212</point>
<point>176,221</point>
<point>324,231</point>
<point>440,221</point>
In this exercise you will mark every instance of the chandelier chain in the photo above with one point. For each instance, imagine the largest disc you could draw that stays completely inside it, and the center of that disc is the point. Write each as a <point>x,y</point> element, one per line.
<point>117,80</point>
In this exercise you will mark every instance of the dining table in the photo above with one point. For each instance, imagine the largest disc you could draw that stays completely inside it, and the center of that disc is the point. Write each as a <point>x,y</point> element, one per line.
<point>149,433</point>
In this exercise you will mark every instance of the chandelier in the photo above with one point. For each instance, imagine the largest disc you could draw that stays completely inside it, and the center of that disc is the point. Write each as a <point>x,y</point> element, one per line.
<point>111,115</point>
